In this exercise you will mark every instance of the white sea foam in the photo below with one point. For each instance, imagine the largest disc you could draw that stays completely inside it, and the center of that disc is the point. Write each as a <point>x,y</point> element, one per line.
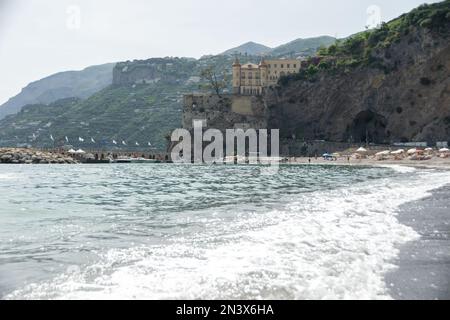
<point>334,244</point>
<point>6,176</point>
<point>399,168</point>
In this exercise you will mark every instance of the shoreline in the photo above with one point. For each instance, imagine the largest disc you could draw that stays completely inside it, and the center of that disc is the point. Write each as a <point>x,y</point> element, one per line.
<point>423,265</point>
<point>435,163</point>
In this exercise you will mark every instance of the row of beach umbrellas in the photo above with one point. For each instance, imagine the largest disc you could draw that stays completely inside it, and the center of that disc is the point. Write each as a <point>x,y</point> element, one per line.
<point>402,151</point>
<point>92,140</point>
<point>79,151</point>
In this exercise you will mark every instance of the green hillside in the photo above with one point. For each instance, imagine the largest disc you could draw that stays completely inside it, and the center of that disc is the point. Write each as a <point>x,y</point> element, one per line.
<point>304,47</point>
<point>371,48</point>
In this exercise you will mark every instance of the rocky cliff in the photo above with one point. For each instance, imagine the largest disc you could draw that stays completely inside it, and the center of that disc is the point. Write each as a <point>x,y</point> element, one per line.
<point>397,89</point>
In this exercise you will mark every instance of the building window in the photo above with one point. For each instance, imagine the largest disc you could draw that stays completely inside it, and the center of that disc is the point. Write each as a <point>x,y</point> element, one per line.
<point>282,66</point>
<point>295,66</point>
<point>269,65</point>
<point>288,65</point>
<point>275,65</point>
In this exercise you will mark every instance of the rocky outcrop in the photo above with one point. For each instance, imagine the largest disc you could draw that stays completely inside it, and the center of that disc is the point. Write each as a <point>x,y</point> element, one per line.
<point>225,111</point>
<point>31,156</point>
<point>407,100</point>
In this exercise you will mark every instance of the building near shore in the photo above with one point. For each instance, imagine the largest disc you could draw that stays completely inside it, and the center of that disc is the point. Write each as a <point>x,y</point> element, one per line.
<point>253,79</point>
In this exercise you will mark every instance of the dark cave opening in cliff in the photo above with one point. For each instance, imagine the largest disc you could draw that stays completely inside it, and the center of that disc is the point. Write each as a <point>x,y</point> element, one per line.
<point>368,127</point>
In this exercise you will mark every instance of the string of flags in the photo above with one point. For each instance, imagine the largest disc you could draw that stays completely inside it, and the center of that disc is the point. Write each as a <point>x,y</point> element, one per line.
<point>92,140</point>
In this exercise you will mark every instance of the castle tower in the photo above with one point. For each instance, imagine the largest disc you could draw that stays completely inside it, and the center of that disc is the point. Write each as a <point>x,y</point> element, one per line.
<point>236,76</point>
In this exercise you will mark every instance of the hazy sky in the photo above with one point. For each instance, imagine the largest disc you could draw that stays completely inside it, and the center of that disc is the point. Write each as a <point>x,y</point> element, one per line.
<point>42,37</point>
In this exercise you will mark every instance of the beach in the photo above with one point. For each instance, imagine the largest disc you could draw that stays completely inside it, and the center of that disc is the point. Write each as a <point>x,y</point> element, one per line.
<point>424,265</point>
<point>435,162</point>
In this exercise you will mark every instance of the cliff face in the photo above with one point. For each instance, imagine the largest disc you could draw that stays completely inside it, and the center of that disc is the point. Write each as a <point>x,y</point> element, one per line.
<point>407,100</point>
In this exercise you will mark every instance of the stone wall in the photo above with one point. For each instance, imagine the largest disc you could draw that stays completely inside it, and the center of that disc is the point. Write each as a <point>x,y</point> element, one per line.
<point>225,111</point>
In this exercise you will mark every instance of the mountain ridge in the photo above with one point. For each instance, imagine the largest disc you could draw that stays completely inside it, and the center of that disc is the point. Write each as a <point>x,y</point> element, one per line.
<point>65,84</point>
<point>300,46</point>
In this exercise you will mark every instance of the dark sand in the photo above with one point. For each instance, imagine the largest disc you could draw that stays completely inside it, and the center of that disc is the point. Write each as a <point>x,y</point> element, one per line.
<point>424,265</point>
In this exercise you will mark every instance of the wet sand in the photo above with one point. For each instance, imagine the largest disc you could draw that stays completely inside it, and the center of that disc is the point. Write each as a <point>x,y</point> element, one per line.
<point>424,265</point>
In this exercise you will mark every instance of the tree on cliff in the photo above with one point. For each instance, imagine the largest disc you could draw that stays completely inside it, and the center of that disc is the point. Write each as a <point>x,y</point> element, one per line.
<point>213,81</point>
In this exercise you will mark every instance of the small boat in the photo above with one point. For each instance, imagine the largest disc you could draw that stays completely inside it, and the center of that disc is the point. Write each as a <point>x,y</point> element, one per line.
<point>135,160</point>
<point>93,161</point>
<point>143,160</point>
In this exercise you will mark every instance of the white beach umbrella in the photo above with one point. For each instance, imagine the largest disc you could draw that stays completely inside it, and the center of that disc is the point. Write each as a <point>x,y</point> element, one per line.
<point>72,151</point>
<point>429,149</point>
<point>383,153</point>
<point>412,151</point>
<point>361,150</point>
<point>80,151</point>
<point>400,151</point>
<point>444,150</point>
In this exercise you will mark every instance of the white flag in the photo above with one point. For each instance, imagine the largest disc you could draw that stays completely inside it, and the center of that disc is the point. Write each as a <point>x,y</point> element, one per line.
<point>80,139</point>
<point>34,136</point>
<point>114,141</point>
<point>149,144</point>
<point>137,143</point>
<point>124,143</point>
<point>92,140</point>
<point>51,137</point>
<point>67,139</point>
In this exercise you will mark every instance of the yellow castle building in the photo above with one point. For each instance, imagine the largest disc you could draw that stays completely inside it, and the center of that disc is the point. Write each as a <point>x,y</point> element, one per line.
<point>252,79</point>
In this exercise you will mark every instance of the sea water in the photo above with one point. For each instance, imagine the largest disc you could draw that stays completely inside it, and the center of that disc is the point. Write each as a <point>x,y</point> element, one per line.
<point>203,232</point>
